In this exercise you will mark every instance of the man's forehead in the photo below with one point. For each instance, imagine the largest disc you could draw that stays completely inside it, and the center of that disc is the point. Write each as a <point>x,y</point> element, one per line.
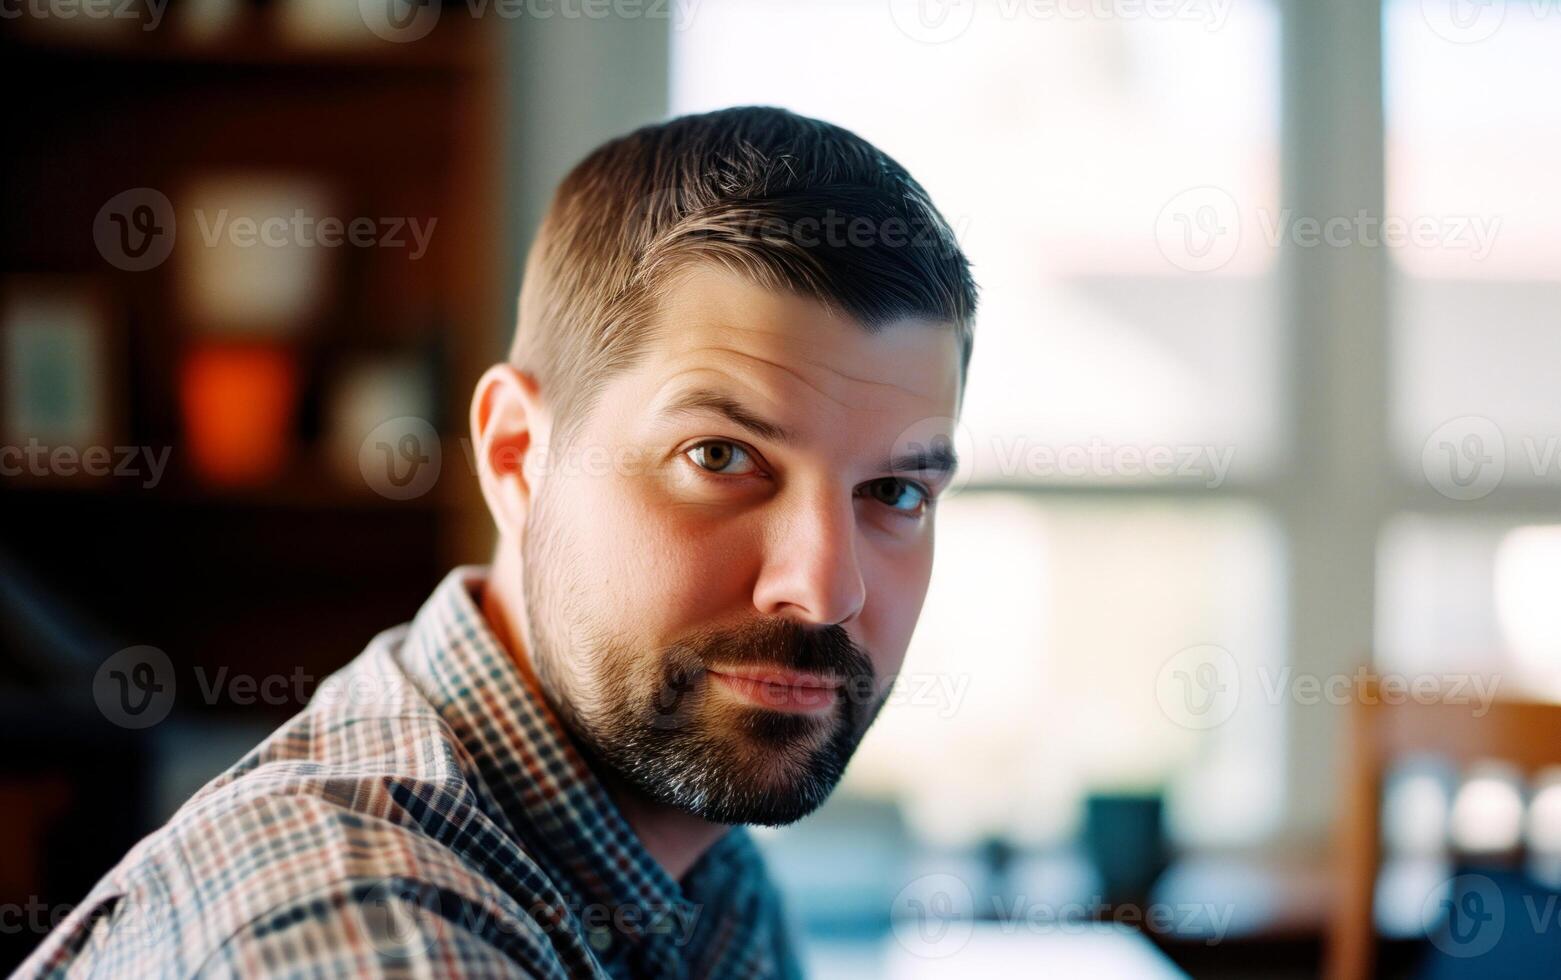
<point>800,349</point>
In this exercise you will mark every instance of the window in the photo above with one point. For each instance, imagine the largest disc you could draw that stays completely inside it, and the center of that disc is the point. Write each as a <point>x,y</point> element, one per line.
<point>1109,183</point>
<point>1473,147</point>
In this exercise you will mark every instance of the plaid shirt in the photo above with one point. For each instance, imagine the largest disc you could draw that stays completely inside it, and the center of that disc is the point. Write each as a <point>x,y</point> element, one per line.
<point>423,816</point>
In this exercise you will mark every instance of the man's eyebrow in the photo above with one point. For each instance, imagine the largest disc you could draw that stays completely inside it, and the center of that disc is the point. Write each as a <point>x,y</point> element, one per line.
<point>700,400</point>
<point>938,457</point>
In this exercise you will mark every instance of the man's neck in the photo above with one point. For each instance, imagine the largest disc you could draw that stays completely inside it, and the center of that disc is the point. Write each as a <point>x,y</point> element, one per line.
<point>674,837</point>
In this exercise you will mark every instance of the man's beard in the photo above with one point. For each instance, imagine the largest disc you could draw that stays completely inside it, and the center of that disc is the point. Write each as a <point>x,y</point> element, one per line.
<point>653,717</point>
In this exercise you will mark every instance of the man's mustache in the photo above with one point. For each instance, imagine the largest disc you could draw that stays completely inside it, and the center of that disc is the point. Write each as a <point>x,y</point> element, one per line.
<point>779,643</point>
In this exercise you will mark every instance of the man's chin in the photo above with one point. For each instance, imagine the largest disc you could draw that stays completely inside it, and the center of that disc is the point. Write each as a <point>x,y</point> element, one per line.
<point>749,802</point>
<point>751,775</point>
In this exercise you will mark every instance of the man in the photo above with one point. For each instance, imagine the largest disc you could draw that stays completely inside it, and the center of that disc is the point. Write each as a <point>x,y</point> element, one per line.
<point>712,460</point>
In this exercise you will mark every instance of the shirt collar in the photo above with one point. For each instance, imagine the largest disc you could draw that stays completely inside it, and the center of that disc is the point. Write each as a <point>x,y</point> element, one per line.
<point>538,778</point>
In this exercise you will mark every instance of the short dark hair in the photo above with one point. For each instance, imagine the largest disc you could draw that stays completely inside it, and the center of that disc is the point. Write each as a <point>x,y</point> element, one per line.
<point>791,202</point>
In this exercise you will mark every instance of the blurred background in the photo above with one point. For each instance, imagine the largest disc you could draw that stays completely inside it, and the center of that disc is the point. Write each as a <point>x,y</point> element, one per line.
<point>1243,647</point>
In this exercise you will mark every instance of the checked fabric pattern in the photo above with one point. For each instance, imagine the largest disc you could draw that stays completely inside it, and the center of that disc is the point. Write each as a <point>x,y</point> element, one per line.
<point>423,816</point>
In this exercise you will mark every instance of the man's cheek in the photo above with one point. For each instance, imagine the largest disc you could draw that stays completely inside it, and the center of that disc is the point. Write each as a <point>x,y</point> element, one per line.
<point>646,583</point>
<point>895,596</point>
<point>697,564</point>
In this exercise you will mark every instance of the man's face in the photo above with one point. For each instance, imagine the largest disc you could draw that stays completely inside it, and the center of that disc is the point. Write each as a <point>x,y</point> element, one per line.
<point>723,569</point>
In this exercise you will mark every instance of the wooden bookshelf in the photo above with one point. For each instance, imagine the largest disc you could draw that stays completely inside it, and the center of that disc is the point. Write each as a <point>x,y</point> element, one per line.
<point>303,568</point>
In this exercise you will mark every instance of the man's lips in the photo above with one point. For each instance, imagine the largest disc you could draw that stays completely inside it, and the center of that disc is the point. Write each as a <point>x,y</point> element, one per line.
<point>779,690</point>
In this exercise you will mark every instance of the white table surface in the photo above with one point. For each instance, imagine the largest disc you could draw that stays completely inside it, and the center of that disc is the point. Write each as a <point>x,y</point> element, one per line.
<point>992,950</point>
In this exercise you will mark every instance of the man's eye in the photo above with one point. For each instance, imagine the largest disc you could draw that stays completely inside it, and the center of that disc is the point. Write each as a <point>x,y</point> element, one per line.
<point>719,456</point>
<point>903,495</point>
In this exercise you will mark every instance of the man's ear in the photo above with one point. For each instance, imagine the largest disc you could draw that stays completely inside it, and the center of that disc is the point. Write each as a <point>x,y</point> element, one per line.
<point>510,428</point>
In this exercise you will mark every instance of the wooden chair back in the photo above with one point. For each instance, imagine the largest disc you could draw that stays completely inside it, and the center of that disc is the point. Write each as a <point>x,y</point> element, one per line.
<point>1459,730</point>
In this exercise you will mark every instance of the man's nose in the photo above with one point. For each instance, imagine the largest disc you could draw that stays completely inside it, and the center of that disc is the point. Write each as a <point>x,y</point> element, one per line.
<point>810,572</point>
